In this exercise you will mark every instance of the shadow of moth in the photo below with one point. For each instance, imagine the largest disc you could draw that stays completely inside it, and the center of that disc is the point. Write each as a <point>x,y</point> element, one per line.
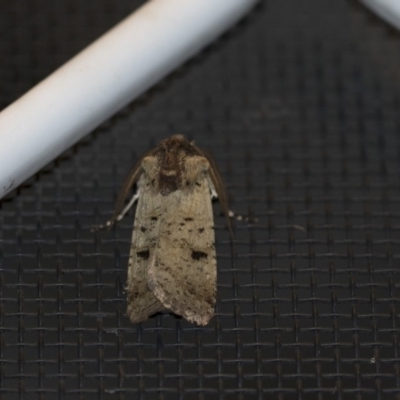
<point>172,261</point>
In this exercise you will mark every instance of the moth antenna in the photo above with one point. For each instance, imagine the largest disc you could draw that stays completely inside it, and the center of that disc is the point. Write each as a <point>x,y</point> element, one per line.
<point>130,180</point>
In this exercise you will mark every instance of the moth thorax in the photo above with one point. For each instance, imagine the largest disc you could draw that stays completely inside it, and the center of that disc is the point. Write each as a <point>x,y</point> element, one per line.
<point>170,173</point>
<point>169,179</point>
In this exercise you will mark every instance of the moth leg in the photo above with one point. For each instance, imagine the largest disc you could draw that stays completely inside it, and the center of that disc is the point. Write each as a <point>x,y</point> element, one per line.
<point>118,217</point>
<point>238,217</point>
<point>121,215</point>
<point>213,194</point>
<point>241,217</point>
<point>231,214</point>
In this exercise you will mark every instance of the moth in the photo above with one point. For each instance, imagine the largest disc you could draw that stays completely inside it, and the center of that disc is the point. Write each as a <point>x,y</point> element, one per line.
<point>172,261</point>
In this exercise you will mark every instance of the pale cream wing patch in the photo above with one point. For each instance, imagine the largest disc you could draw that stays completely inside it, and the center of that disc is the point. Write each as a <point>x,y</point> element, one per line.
<point>182,273</point>
<point>141,301</point>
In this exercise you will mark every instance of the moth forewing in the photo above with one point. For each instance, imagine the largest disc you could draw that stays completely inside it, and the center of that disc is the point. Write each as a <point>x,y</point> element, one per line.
<point>182,274</point>
<point>141,301</point>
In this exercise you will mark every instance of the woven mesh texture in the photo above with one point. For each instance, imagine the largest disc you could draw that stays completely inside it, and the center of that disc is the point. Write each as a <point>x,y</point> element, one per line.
<point>300,105</point>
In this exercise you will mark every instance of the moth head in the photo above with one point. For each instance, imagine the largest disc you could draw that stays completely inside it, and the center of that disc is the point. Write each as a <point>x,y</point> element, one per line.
<point>173,144</point>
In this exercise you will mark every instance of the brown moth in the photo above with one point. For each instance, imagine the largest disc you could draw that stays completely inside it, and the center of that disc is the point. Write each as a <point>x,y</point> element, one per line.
<point>172,261</point>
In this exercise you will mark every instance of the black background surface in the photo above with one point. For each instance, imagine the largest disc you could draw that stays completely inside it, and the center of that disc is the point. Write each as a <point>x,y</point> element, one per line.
<point>299,104</point>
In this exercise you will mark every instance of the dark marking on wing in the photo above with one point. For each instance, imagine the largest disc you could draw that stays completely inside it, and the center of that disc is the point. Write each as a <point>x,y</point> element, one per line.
<point>143,229</point>
<point>145,254</point>
<point>198,255</point>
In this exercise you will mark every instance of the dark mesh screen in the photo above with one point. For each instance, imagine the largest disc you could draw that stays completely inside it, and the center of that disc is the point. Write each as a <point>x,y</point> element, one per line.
<point>300,105</point>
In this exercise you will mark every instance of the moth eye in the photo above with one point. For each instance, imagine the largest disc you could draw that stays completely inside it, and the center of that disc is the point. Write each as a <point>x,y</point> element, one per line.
<point>198,255</point>
<point>145,254</point>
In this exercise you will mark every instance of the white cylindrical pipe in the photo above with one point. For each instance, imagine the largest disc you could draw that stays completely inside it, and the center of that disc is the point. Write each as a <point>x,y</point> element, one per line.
<point>389,10</point>
<point>104,77</point>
